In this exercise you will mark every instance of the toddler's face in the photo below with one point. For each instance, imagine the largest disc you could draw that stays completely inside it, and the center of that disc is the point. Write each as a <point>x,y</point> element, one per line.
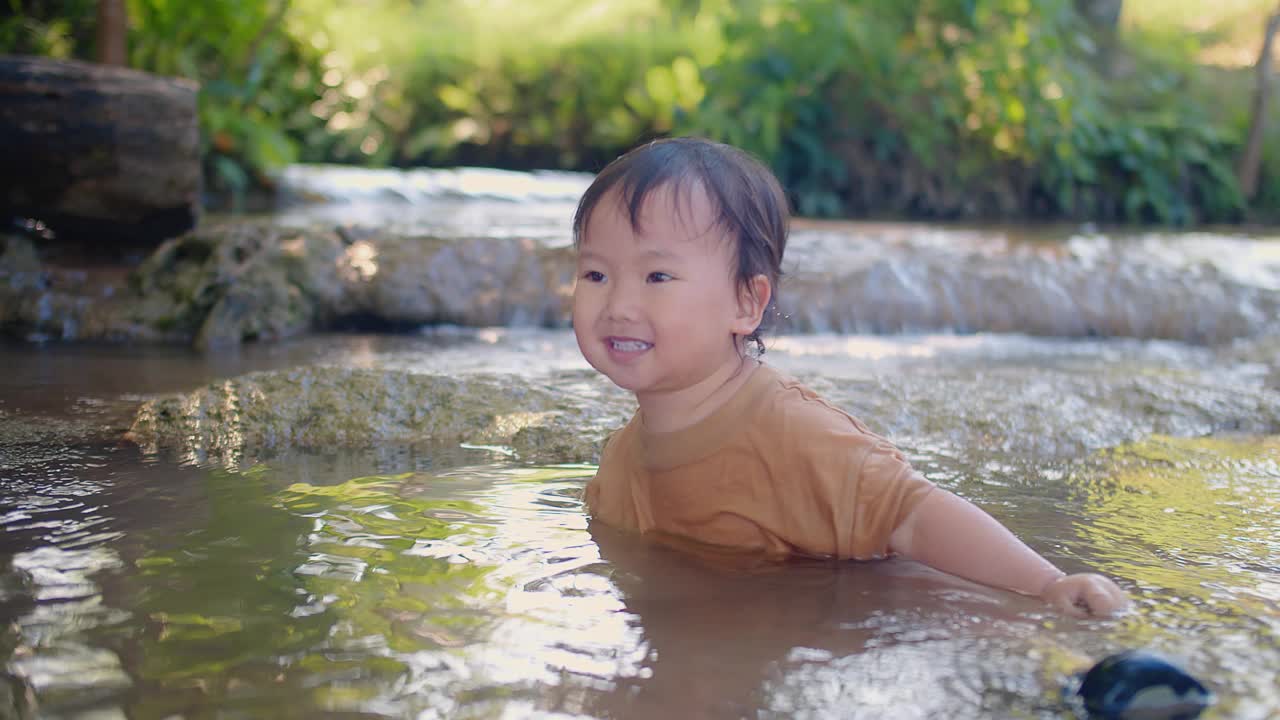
<point>656,309</point>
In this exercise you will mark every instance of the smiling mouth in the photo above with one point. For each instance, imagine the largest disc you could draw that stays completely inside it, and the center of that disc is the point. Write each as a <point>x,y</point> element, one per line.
<point>628,345</point>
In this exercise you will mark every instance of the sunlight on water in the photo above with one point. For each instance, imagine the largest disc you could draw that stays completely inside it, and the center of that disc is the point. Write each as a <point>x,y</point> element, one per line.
<point>460,582</point>
<point>359,261</point>
<point>869,347</point>
<point>481,590</point>
<point>461,202</point>
<point>414,580</point>
<point>1249,261</point>
<point>1169,504</point>
<point>1195,525</point>
<point>344,183</point>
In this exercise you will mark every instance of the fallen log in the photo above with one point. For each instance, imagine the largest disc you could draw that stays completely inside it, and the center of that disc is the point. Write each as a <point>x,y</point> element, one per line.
<point>98,153</point>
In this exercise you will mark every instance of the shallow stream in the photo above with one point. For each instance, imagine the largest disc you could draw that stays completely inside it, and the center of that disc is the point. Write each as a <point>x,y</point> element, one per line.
<point>459,581</point>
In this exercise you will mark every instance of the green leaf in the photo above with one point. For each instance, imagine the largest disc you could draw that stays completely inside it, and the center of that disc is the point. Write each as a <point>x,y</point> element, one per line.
<point>231,173</point>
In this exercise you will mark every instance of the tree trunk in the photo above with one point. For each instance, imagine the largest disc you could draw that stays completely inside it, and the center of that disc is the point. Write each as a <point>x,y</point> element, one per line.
<point>97,152</point>
<point>1102,20</point>
<point>1251,158</point>
<point>112,33</point>
<point>1102,15</point>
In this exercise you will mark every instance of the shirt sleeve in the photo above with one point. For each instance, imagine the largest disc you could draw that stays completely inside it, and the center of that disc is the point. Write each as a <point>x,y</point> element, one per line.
<point>881,493</point>
<point>841,490</point>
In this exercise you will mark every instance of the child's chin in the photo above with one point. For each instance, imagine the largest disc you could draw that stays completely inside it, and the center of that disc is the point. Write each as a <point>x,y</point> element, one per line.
<point>628,383</point>
<point>625,383</point>
<point>616,378</point>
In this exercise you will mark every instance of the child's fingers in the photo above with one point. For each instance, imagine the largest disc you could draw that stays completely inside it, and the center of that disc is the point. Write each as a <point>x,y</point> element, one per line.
<point>1069,598</point>
<point>1087,595</point>
<point>1100,597</point>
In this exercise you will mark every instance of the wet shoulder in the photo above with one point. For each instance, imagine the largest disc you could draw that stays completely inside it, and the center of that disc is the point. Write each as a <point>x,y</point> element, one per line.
<point>794,409</point>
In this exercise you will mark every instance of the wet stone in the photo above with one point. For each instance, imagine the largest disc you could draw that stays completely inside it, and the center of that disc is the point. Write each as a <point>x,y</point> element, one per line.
<point>318,407</point>
<point>234,281</point>
<point>1016,411</point>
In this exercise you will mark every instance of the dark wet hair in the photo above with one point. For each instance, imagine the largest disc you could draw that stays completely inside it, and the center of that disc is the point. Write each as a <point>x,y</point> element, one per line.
<point>747,198</point>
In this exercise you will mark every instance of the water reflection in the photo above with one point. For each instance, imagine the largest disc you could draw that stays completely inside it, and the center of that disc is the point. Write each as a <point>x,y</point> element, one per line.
<point>727,636</point>
<point>456,592</point>
<point>1195,524</point>
<point>457,588</point>
<point>420,581</point>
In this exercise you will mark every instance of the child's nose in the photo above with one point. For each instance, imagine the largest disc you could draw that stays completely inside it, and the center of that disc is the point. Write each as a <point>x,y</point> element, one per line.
<point>621,303</point>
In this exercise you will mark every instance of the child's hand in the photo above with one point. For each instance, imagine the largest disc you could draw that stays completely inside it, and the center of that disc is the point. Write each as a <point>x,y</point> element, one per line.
<point>1085,595</point>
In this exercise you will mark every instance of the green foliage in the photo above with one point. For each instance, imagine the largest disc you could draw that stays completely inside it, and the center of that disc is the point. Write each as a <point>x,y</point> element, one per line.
<point>491,82</point>
<point>256,79</point>
<point>963,107</point>
<point>933,108</point>
<point>52,28</point>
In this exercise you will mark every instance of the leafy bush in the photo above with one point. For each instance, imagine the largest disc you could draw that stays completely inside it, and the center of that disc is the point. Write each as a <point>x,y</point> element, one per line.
<point>925,108</point>
<point>550,83</point>
<point>256,80</point>
<point>52,28</point>
<point>953,108</point>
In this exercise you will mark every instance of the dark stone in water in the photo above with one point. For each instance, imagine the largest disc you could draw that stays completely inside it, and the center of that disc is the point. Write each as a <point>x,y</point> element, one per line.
<point>1138,685</point>
<point>84,153</point>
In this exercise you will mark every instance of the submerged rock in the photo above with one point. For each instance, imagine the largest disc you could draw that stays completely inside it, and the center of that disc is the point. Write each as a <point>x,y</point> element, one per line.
<point>1135,685</point>
<point>319,407</point>
<point>563,415</point>
<point>1052,413</point>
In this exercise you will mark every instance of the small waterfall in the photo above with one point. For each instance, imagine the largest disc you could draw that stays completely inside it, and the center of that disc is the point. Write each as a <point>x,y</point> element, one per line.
<point>1157,286</point>
<point>841,277</point>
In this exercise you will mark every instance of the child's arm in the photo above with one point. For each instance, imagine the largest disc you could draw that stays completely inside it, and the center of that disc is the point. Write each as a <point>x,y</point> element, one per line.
<point>955,536</point>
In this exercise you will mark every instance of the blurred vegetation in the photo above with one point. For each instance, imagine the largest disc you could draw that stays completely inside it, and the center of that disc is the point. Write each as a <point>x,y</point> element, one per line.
<point>922,108</point>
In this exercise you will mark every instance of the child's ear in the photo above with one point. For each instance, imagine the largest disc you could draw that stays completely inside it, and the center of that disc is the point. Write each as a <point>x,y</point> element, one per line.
<point>753,298</point>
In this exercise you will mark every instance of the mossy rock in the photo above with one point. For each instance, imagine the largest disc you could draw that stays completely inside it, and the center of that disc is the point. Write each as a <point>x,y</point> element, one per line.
<point>318,407</point>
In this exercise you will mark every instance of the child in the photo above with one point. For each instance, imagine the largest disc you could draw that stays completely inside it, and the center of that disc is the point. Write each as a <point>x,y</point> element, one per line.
<point>680,248</point>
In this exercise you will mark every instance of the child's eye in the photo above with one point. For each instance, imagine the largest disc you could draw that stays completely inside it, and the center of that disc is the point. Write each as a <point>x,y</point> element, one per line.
<point>659,277</point>
<point>593,276</point>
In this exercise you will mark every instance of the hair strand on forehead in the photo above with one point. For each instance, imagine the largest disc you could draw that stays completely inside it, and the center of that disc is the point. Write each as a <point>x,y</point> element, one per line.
<point>747,200</point>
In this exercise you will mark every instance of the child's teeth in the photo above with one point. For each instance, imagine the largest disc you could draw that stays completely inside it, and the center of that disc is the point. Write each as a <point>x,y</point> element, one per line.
<point>629,345</point>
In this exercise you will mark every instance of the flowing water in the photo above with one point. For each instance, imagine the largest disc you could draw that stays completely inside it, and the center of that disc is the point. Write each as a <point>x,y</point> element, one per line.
<point>459,581</point>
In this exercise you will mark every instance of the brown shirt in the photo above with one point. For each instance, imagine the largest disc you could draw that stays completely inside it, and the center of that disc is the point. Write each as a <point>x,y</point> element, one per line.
<point>775,469</point>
